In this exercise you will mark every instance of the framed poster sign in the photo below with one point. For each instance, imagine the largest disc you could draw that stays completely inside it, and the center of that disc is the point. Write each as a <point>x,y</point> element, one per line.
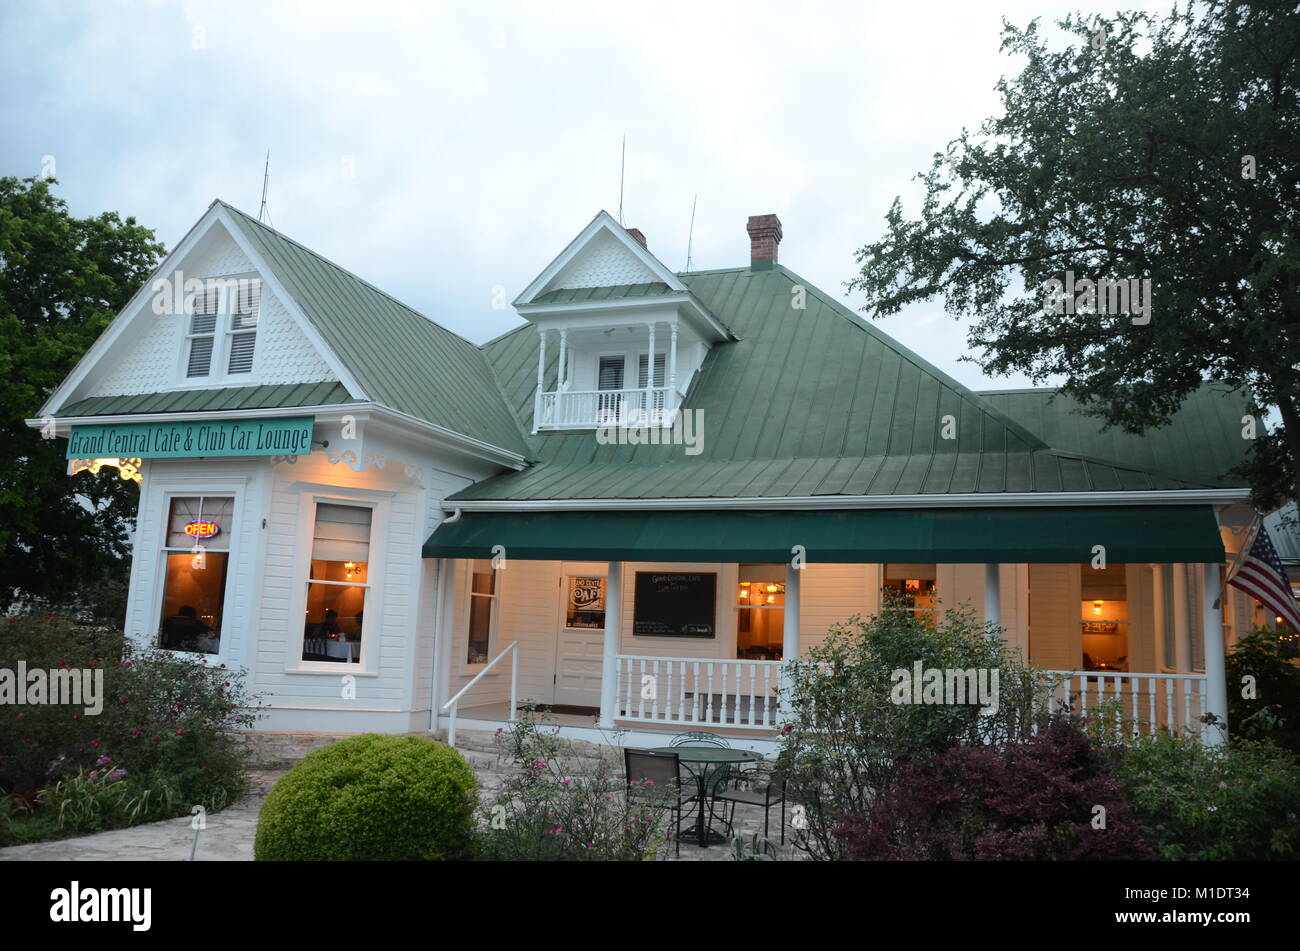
<point>585,606</point>
<point>675,604</point>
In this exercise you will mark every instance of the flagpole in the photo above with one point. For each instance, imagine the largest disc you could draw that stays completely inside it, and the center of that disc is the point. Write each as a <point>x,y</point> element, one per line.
<point>1238,558</point>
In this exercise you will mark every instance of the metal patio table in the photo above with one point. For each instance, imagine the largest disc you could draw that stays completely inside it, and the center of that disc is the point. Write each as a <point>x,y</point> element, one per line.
<point>702,762</point>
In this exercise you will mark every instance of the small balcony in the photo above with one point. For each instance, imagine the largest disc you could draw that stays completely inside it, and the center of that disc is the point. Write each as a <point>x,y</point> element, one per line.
<point>588,409</point>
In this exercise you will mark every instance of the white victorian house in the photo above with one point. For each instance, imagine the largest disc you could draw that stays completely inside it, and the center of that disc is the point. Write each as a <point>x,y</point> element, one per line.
<point>391,526</point>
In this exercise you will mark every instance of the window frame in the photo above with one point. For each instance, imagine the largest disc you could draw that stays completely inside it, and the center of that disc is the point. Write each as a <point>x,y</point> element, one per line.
<point>493,621</point>
<point>374,600</point>
<point>223,333</point>
<point>180,488</point>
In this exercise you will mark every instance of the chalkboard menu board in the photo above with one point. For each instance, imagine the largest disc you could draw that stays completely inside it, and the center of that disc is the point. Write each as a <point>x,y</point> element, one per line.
<point>675,604</point>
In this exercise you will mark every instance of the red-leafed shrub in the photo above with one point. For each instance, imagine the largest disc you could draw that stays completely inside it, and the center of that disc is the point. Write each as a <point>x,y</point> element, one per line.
<point>1036,799</point>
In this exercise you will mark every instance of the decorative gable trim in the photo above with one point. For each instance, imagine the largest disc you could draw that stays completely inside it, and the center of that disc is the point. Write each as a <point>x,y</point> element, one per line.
<point>140,307</point>
<point>595,239</point>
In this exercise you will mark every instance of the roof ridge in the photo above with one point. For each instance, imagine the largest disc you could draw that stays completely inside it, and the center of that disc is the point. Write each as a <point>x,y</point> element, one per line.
<point>341,269</point>
<point>916,360</point>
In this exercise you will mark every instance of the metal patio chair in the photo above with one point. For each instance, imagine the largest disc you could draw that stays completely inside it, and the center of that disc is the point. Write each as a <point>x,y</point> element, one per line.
<point>647,770</point>
<point>751,789</point>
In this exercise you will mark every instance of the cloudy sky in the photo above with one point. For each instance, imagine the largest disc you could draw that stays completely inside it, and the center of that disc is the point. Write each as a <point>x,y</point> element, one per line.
<point>439,150</point>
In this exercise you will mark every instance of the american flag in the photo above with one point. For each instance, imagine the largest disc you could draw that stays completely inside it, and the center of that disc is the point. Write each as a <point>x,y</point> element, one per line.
<point>1258,571</point>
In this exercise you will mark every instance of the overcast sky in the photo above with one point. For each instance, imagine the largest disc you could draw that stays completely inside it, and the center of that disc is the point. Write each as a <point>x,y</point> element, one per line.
<point>439,150</point>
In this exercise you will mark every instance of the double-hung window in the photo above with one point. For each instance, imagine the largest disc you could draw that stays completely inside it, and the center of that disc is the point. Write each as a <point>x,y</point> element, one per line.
<point>482,606</point>
<point>196,553</point>
<point>337,584</point>
<point>245,305</point>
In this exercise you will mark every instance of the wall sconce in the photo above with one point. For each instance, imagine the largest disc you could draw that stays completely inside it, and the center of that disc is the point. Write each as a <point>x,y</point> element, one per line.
<point>1096,607</point>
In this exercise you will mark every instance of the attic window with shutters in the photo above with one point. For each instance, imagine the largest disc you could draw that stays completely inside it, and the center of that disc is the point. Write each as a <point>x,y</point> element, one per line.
<point>221,335</point>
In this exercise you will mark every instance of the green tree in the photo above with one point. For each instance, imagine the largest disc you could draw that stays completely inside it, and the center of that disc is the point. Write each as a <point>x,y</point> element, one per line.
<point>1147,148</point>
<point>62,279</point>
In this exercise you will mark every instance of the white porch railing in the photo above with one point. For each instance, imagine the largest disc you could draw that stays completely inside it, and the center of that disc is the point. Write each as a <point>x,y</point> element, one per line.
<point>678,691</point>
<point>580,408</point>
<point>681,692</point>
<point>1141,703</point>
<point>451,705</point>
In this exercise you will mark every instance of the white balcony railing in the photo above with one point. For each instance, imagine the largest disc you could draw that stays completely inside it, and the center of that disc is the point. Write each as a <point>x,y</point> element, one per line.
<point>1136,702</point>
<point>575,409</point>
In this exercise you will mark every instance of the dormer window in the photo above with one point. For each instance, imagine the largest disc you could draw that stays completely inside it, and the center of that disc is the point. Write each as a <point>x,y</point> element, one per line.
<point>221,337</point>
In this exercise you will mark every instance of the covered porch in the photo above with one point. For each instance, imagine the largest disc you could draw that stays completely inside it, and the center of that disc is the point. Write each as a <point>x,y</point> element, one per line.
<point>629,675</point>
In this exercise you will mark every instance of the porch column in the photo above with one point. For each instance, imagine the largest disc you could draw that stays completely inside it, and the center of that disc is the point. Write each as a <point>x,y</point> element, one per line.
<point>1182,641</point>
<point>672,366</point>
<point>563,371</point>
<point>790,630</point>
<point>650,378</point>
<point>1159,621</point>
<point>1216,680</point>
<point>992,596</point>
<point>541,371</point>
<point>609,657</point>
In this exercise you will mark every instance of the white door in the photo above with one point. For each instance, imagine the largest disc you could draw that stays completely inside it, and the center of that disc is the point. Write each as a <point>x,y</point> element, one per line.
<point>581,638</point>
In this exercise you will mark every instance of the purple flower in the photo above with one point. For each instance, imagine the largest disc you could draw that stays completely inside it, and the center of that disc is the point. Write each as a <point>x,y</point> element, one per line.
<point>94,775</point>
<point>115,775</point>
<point>103,761</point>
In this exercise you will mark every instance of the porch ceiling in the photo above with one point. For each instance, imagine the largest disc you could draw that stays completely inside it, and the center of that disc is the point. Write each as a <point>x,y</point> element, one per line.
<point>1040,535</point>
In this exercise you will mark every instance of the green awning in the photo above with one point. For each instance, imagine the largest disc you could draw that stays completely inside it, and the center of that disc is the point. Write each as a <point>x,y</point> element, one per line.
<point>1040,535</point>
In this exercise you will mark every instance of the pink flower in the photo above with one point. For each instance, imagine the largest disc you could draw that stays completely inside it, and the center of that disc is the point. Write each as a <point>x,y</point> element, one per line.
<point>94,743</point>
<point>103,761</point>
<point>156,739</point>
<point>179,732</point>
<point>1222,784</point>
<point>93,775</point>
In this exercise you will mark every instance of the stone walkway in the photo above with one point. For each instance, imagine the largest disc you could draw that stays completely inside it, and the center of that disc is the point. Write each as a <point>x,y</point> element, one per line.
<point>229,833</point>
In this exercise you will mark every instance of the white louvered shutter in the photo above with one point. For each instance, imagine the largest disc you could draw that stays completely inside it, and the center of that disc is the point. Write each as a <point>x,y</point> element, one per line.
<point>245,308</point>
<point>203,326</point>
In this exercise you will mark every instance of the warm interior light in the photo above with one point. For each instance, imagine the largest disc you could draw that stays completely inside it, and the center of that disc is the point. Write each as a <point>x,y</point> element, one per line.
<point>771,598</point>
<point>771,587</point>
<point>1096,607</point>
<point>198,563</point>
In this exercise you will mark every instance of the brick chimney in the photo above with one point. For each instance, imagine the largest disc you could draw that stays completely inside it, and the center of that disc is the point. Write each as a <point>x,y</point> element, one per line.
<point>764,237</point>
<point>640,238</point>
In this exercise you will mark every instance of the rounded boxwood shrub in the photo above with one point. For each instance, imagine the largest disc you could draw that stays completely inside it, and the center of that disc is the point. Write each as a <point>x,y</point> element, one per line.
<point>396,798</point>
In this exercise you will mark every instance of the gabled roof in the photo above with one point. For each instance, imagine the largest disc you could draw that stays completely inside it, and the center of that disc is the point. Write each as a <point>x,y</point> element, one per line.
<point>1200,444</point>
<point>402,359</point>
<point>804,403</point>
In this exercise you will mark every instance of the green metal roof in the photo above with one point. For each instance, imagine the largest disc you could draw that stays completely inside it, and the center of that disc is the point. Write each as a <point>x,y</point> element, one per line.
<point>805,402</point>
<point>212,400</point>
<point>617,292</point>
<point>402,359</point>
<point>1040,535</point>
<point>1200,444</point>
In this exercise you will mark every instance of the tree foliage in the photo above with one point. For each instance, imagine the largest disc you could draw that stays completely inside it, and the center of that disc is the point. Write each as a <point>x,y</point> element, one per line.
<point>1146,148</point>
<point>62,279</point>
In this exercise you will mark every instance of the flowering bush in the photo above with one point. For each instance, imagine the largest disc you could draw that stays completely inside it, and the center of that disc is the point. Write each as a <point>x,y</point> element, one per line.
<point>553,806</point>
<point>1034,799</point>
<point>165,731</point>
<point>1199,803</point>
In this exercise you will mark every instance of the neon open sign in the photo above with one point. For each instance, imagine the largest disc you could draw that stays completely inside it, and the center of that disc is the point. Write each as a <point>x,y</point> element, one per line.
<point>202,529</point>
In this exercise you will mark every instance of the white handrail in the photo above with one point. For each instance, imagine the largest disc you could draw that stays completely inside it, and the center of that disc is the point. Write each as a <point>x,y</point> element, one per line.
<point>513,651</point>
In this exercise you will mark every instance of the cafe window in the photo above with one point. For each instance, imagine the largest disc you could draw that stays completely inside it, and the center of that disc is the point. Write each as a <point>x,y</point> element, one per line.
<point>1103,617</point>
<point>338,584</point>
<point>196,554</point>
<point>585,606</point>
<point>760,612</point>
<point>912,587</point>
